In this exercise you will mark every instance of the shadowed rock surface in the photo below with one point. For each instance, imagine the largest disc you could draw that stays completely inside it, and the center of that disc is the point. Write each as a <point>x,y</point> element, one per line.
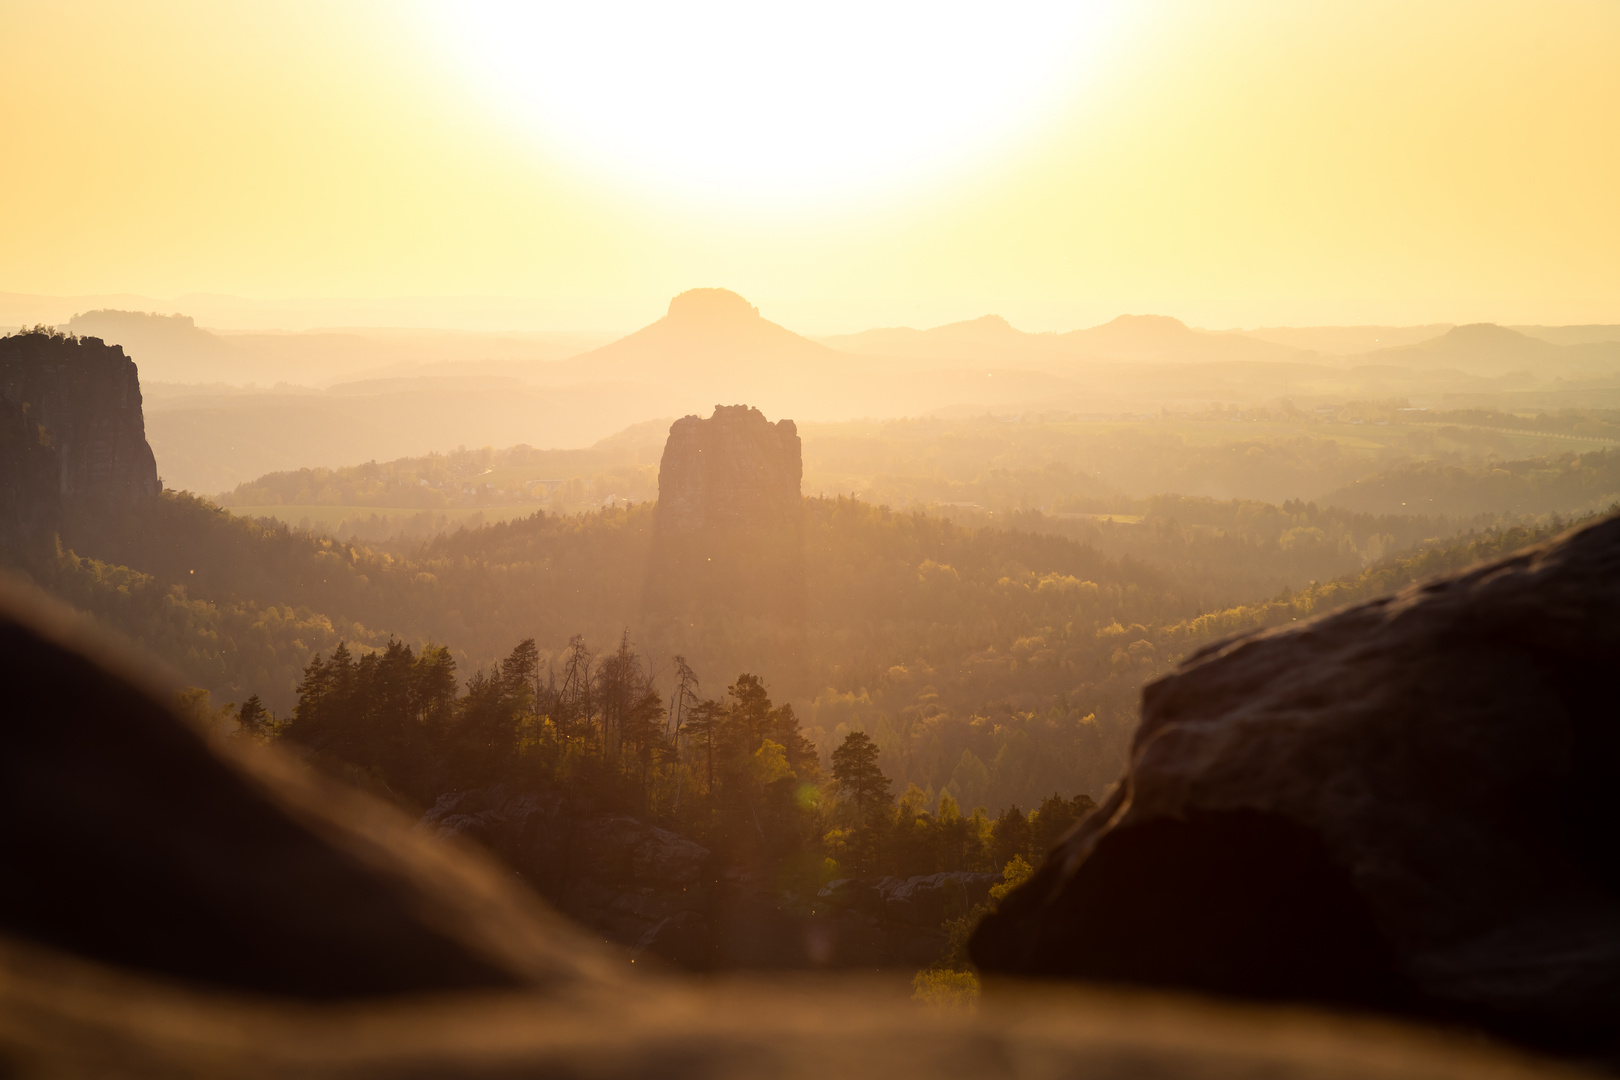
<point>127,838</point>
<point>72,436</point>
<point>1408,805</point>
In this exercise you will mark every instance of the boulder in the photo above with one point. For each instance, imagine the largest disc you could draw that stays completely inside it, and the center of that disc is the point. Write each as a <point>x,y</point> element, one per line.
<point>129,839</point>
<point>851,894</point>
<point>932,899</point>
<point>923,900</point>
<point>613,874</point>
<point>1407,805</point>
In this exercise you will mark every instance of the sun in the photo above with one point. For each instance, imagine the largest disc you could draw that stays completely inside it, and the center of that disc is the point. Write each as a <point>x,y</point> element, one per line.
<point>769,101</point>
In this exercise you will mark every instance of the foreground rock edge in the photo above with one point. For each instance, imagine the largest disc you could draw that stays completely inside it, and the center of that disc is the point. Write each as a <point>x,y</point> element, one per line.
<point>61,1016</point>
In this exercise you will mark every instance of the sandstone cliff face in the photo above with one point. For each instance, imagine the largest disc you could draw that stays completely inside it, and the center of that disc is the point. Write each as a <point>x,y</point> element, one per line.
<point>1409,805</point>
<point>72,436</point>
<point>733,471</point>
<point>729,533</point>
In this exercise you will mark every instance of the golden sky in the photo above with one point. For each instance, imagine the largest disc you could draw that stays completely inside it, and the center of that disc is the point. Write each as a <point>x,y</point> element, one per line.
<point>1242,163</point>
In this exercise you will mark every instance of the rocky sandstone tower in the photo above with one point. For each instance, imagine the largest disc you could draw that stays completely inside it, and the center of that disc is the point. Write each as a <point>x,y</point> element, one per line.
<point>729,533</point>
<point>735,471</point>
<point>72,436</point>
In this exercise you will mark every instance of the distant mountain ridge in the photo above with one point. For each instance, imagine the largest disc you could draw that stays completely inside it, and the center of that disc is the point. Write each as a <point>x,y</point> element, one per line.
<point>1488,349</point>
<point>175,348</point>
<point>1477,349</point>
<point>710,334</point>
<point>992,338</point>
<point>401,393</point>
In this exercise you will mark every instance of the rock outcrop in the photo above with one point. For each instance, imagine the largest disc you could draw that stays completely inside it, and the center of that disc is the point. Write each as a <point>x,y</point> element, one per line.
<point>644,887</point>
<point>729,530</point>
<point>72,436</point>
<point>129,840</point>
<point>925,901</point>
<point>735,471</point>
<point>1408,805</point>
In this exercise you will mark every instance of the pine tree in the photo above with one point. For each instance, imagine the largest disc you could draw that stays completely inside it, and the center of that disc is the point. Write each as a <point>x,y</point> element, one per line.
<point>704,722</point>
<point>855,767</point>
<point>1010,835</point>
<point>254,720</point>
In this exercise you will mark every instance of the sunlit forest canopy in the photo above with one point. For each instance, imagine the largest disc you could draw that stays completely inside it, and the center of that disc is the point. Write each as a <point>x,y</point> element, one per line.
<point>1002,659</point>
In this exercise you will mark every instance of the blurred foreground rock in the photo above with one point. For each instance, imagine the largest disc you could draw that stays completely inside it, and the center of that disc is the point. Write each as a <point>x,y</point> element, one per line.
<point>1408,806</point>
<point>127,838</point>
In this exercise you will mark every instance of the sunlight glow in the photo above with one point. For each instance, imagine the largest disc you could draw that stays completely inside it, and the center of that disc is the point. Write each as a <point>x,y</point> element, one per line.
<point>772,101</point>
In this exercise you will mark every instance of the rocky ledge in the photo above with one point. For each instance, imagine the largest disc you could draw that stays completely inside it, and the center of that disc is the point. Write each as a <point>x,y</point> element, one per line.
<point>1408,805</point>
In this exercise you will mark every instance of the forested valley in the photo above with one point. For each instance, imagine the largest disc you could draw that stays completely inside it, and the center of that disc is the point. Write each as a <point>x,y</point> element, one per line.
<point>941,691</point>
<point>596,741</point>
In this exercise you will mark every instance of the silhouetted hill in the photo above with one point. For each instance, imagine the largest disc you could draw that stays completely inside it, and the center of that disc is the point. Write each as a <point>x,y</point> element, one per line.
<point>168,348</point>
<point>173,349</point>
<point>713,346</point>
<point>216,440</point>
<point>1347,340</point>
<point>401,393</point>
<point>989,336</point>
<point>1567,483</point>
<point>991,339</point>
<point>1488,349</point>
<point>706,333</point>
<point>1586,334</point>
<point>1160,337</point>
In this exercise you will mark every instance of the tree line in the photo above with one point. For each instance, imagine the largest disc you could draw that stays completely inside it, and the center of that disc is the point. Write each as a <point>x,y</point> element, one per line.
<point>734,771</point>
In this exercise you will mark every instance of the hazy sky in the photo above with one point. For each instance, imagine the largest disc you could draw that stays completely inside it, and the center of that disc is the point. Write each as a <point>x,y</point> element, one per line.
<point>842,165</point>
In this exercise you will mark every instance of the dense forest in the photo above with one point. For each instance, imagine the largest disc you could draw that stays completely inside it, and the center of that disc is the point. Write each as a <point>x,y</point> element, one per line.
<point>625,465</point>
<point>735,771</point>
<point>1570,481</point>
<point>912,620</point>
<point>1272,454</point>
<point>997,663</point>
<point>598,731</point>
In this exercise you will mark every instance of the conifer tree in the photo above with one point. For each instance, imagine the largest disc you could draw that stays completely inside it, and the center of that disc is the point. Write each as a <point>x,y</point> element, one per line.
<point>254,720</point>
<point>1010,835</point>
<point>855,767</point>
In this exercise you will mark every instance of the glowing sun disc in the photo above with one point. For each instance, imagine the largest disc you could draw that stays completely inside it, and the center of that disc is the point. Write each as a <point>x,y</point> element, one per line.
<point>770,99</point>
